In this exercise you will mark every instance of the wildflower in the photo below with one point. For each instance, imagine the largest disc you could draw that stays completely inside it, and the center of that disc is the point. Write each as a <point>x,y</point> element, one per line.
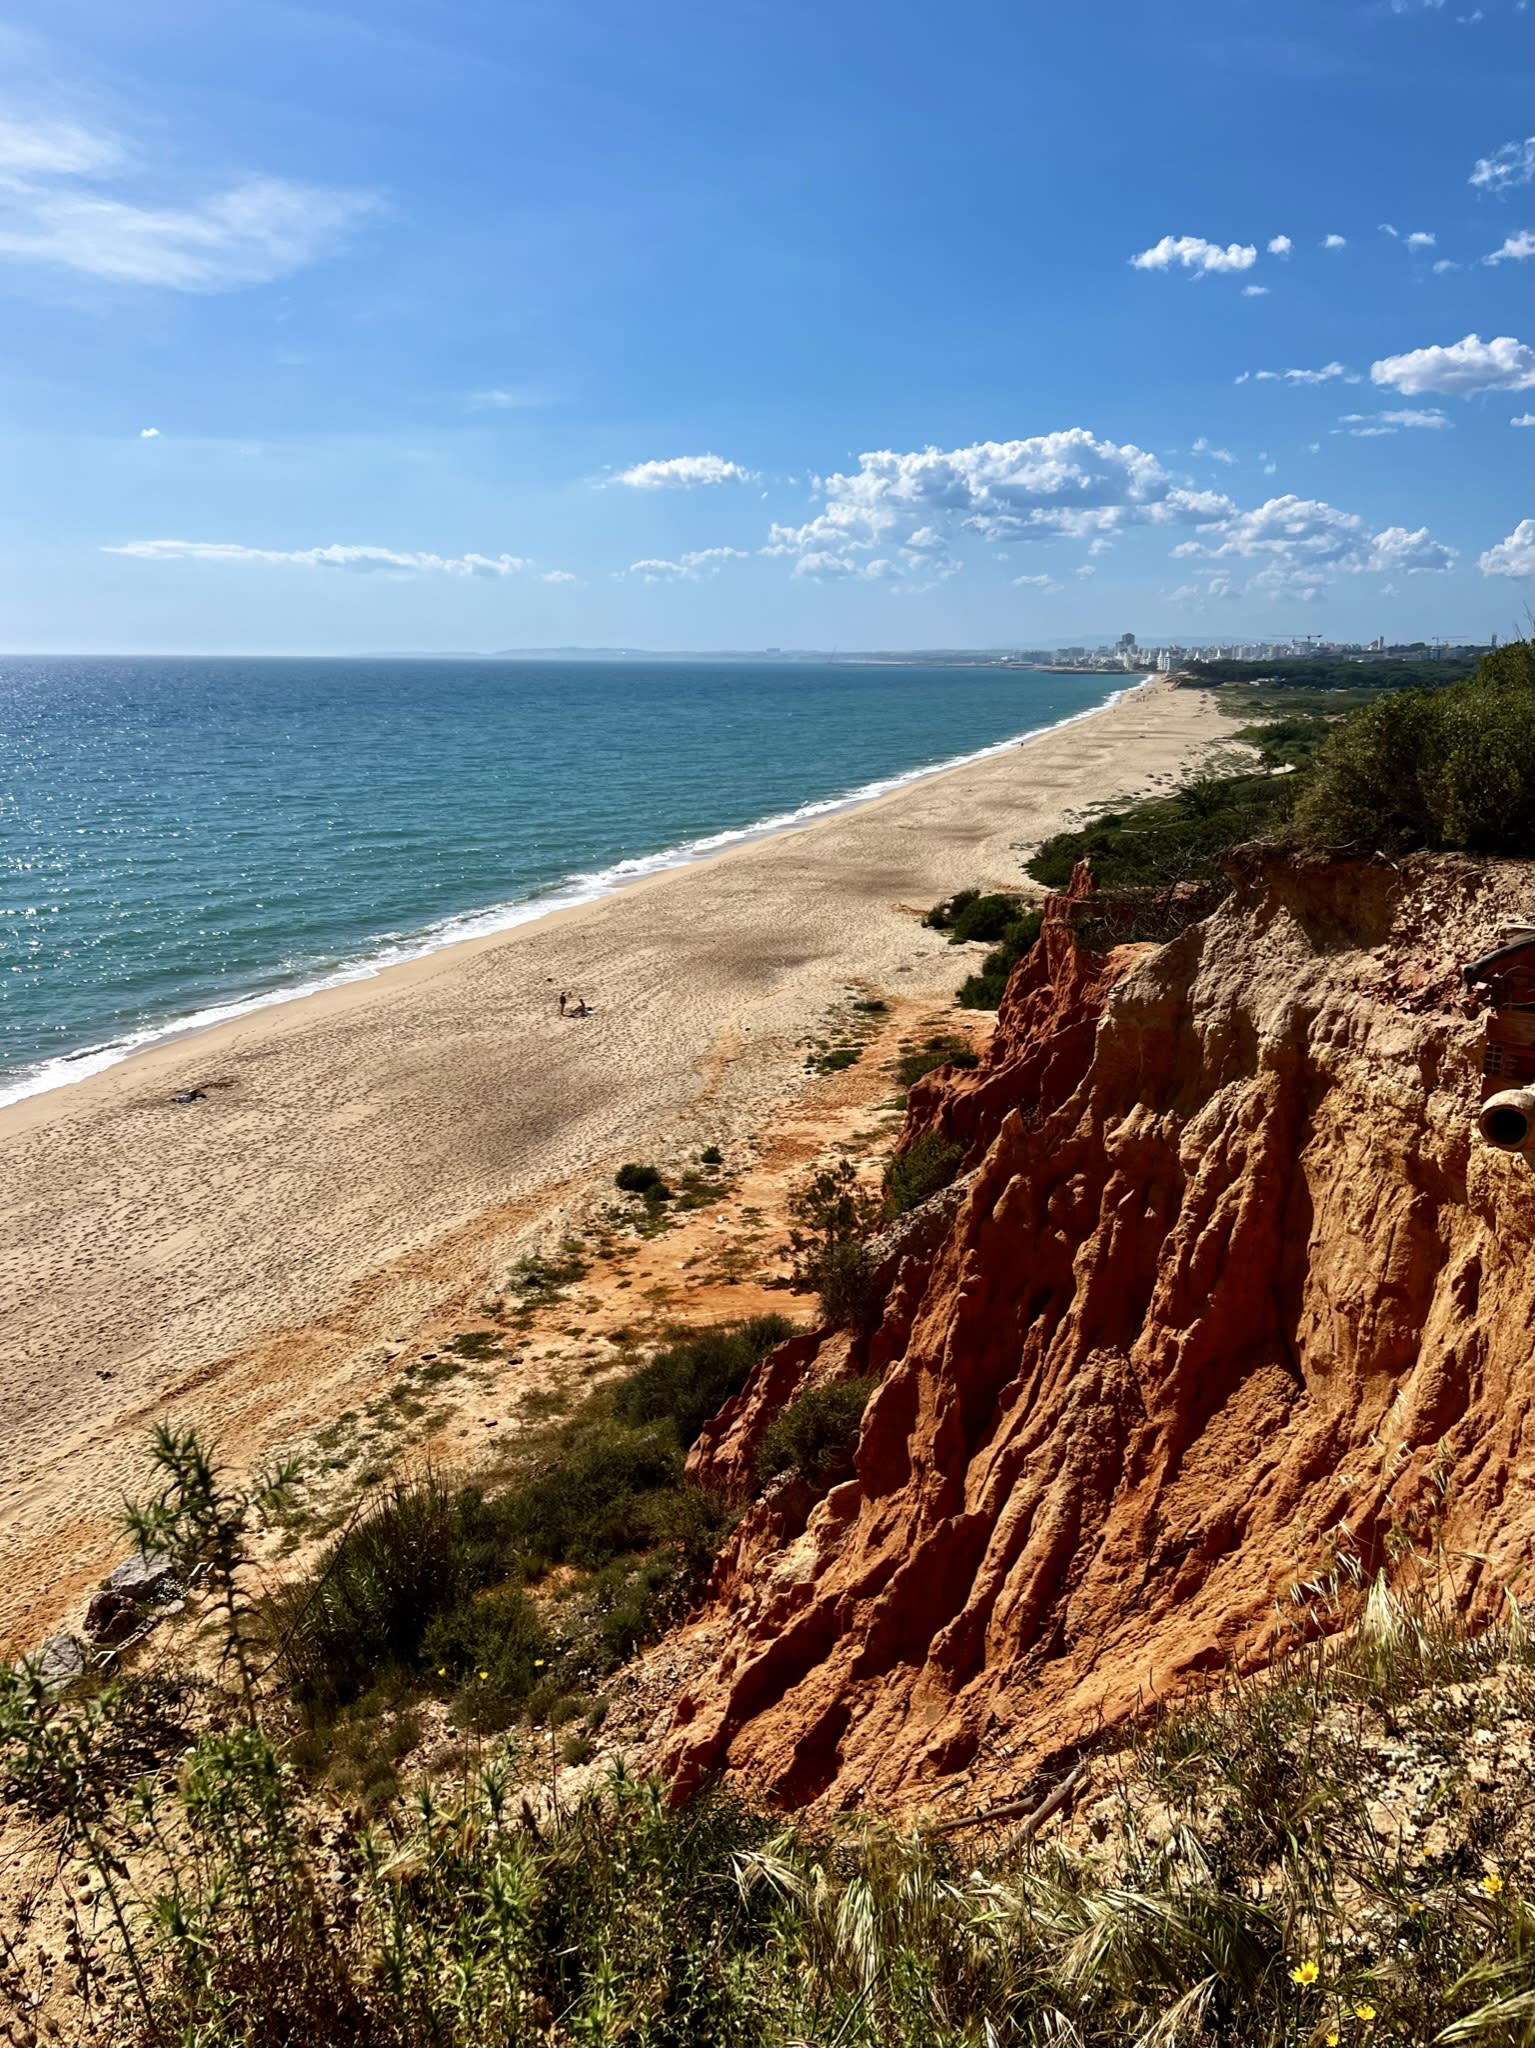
<point>1364,2012</point>
<point>442,1671</point>
<point>538,1663</point>
<point>1305,1973</point>
<point>1492,1884</point>
<point>484,1674</point>
<point>1332,2039</point>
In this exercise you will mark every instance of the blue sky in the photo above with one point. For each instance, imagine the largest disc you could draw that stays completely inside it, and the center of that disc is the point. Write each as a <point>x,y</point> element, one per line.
<point>688,325</point>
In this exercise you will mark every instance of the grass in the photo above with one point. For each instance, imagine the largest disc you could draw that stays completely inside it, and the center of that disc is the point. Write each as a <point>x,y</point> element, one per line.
<point>1339,1848</point>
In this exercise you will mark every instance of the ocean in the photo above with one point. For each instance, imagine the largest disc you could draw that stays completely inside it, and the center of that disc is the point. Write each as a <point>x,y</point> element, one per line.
<point>182,840</point>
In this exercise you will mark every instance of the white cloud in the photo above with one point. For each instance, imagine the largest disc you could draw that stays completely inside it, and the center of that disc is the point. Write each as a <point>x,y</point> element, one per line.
<point>1513,164</point>
<point>689,568</point>
<point>1445,264</point>
<point>1514,556</point>
<point>149,433</point>
<point>1328,374</point>
<point>1523,419</point>
<point>1046,584</point>
<point>1203,447</point>
<point>1192,252</point>
<point>1515,248</point>
<point>1280,245</point>
<point>1419,240</point>
<point>683,472</point>
<point>359,560</point>
<point>55,149</point>
<point>1387,229</point>
<point>1087,569</point>
<point>1302,543</point>
<point>1418,552</point>
<point>1065,483</point>
<point>54,211</point>
<point>1461,369</point>
<point>558,576</point>
<point>1363,425</point>
<point>1255,291</point>
<point>1335,241</point>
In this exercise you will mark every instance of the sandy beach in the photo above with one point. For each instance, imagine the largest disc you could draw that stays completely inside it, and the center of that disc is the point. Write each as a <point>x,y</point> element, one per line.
<point>364,1154</point>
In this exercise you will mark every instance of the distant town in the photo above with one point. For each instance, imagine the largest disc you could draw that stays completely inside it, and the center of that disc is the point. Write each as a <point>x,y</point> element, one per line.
<point>1128,655</point>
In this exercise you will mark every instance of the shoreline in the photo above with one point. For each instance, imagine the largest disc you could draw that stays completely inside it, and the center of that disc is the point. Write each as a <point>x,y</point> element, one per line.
<point>497,920</point>
<point>368,1153</point>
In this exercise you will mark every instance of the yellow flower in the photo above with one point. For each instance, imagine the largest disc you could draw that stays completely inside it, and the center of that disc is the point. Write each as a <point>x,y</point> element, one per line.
<point>538,1663</point>
<point>484,1674</point>
<point>1305,1973</point>
<point>1332,2039</point>
<point>442,1671</point>
<point>1492,1884</point>
<point>1364,2012</point>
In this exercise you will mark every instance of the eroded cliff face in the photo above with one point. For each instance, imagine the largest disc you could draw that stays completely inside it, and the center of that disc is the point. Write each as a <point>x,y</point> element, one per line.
<point>1229,1291</point>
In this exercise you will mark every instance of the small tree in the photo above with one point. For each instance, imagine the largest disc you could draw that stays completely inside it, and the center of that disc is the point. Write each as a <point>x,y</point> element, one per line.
<point>833,1216</point>
<point>200,1521</point>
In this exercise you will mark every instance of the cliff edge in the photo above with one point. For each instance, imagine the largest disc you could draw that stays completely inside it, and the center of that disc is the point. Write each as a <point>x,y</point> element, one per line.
<point>1230,1304</point>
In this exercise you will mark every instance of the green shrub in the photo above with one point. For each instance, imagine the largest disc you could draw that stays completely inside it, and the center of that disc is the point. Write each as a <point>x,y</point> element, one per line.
<point>942,915</point>
<point>984,991</point>
<point>542,1280</point>
<point>427,1583</point>
<point>833,1216</point>
<point>711,1155</point>
<point>921,1170</point>
<point>834,1059</point>
<point>377,1591</point>
<point>985,920</point>
<point>1177,838</point>
<point>816,1434</point>
<point>492,1651</point>
<point>941,1051</point>
<point>692,1378</point>
<point>1452,768</point>
<point>633,1179</point>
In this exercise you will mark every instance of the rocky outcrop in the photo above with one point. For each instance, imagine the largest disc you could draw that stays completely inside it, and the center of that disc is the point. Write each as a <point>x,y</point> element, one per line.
<point>1231,1302</point>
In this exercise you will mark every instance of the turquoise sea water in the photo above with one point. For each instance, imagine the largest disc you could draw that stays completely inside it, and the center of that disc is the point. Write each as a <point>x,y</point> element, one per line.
<point>180,839</point>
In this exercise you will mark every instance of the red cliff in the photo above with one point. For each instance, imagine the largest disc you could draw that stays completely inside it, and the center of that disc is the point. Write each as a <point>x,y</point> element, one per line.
<point>1230,1298</point>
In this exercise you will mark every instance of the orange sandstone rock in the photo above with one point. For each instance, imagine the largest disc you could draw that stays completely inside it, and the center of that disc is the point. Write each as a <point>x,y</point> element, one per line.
<point>1230,1291</point>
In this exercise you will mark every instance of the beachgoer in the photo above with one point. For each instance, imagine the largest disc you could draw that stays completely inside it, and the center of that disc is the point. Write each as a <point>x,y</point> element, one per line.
<point>564,999</point>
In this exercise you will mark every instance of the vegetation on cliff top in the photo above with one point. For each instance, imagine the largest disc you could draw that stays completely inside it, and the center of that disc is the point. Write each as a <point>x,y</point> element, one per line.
<point>1336,1852</point>
<point>1451,768</point>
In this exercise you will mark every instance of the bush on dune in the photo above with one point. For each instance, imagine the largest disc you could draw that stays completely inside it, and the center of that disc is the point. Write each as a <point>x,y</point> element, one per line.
<point>1448,769</point>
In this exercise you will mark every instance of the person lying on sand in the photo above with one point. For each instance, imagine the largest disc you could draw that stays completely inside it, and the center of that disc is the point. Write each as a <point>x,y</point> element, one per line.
<point>582,1009</point>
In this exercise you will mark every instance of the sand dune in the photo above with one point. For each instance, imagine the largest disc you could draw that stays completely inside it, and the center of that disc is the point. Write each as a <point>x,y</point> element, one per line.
<point>365,1152</point>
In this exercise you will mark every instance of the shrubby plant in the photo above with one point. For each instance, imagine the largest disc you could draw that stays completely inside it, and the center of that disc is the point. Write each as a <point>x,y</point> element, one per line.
<point>816,1434</point>
<point>833,1217</point>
